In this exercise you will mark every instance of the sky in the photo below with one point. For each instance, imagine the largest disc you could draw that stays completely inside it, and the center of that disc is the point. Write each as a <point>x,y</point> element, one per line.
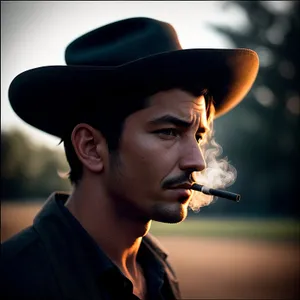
<point>35,33</point>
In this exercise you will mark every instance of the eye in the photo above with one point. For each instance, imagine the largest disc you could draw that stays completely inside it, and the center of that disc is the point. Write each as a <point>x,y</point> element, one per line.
<point>199,138</point>
<point>168,132</point>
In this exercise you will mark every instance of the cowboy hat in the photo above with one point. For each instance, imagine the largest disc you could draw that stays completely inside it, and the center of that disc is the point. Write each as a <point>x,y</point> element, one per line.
<point>128,59</point>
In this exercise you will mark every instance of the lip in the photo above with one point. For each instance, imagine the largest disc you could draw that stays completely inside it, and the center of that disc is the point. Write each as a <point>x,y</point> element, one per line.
<point>182,186</point>
<point>182,191</point>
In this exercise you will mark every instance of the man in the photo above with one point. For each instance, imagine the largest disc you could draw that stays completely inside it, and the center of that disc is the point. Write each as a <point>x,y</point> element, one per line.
<point>133,110</point>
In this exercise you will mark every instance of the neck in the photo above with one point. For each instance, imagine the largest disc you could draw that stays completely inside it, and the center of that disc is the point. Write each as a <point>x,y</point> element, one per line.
<point>117,235</point>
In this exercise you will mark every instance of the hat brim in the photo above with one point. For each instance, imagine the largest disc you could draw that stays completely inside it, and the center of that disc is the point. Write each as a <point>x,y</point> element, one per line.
<point>46,97</point>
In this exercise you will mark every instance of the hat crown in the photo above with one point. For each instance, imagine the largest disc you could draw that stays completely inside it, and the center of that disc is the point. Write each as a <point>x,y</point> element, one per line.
<point>122,42</point>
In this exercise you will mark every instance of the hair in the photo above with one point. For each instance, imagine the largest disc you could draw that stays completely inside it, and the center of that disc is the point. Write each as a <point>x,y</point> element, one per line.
<point>112,129</point>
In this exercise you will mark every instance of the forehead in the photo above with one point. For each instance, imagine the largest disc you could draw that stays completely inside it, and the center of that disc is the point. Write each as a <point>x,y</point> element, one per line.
<point>175,103</point>
<point>178,102</point>
<point>176,96</point>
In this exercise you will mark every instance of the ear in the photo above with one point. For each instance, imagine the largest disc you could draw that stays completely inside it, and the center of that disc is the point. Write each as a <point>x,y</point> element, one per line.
<point>90,147</point>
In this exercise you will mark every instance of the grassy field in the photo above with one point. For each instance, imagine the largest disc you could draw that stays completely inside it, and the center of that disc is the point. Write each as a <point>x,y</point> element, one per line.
<point>214,258</point>
<point>266,229</point>
<point>16,215</point>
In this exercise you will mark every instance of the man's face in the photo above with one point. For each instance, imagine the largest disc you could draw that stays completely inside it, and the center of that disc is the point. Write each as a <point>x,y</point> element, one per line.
<point>159,150</point>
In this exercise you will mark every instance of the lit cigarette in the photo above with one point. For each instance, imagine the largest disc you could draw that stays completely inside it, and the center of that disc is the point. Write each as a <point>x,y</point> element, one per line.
<point>214,192</point>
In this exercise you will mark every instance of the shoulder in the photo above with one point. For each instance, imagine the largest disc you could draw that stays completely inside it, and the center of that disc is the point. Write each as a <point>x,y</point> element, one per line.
<point>18,243</point>
<point>21,250</point>
<point>25,267</point>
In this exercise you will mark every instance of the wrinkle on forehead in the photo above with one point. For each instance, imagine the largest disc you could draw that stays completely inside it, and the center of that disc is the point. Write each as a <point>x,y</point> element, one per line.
<point>174,102</point>
<point>183,104</point>
<point>167,99</point>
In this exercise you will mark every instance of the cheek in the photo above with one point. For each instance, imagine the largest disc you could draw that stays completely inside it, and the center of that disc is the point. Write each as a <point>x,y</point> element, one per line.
<point>148,158</point>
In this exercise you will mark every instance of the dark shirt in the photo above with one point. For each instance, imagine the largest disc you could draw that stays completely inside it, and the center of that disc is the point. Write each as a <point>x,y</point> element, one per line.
<point>56,258</point>
<point>110,275</point>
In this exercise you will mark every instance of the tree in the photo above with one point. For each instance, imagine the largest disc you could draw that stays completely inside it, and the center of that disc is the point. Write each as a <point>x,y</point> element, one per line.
<point>264,140</point>
<point>28,171</point>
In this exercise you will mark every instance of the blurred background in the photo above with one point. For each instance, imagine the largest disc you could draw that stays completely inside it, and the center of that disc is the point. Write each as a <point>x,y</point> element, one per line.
<point>239,250</point>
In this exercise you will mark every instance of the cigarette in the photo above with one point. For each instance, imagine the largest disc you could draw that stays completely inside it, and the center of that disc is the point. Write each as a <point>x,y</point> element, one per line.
<point>214,192</point>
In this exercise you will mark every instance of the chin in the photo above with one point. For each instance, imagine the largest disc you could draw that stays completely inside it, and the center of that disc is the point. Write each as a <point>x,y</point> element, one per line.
<point>169,212</point>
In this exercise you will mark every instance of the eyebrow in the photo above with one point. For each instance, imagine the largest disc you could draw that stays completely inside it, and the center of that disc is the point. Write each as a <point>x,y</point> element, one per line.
<point>177,122</point>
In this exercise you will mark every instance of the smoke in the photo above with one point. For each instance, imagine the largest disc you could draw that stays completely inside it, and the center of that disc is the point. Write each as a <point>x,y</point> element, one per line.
<point>218,174</point>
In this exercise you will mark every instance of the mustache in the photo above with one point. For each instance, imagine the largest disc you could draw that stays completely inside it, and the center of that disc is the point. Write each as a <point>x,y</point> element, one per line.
<point>182,178</point>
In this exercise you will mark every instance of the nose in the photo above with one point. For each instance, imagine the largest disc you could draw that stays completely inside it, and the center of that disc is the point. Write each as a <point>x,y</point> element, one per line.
<point>192,158</point>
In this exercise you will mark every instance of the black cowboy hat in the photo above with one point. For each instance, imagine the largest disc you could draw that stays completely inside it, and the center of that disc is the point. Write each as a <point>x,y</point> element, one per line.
<point>124,60</point>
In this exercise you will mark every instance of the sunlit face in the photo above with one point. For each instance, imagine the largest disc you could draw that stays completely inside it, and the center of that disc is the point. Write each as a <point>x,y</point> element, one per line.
<point>159,150</point>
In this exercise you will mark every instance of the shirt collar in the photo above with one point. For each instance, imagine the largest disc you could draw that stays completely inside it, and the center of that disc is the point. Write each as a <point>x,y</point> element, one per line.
<point>105,264</point>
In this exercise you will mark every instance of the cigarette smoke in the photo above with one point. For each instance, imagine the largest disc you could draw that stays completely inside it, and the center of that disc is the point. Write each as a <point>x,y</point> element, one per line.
<point>218,174</point>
